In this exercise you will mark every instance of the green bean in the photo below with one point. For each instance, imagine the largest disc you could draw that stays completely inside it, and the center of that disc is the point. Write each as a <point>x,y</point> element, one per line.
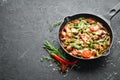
<point>75,45</point>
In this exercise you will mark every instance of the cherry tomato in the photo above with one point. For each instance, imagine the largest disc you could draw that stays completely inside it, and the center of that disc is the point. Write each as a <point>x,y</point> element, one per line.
<point>86,53</point>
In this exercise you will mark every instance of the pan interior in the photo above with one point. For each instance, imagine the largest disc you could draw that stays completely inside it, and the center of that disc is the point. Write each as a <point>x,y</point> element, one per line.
<point>102,20</point>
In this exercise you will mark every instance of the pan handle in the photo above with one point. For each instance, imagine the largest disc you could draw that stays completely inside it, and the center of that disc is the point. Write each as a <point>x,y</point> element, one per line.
<point>67,19</point>
<point>113,11</point>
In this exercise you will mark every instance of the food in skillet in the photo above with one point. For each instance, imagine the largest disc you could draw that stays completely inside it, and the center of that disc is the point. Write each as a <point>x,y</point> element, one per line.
<point>85,38</point>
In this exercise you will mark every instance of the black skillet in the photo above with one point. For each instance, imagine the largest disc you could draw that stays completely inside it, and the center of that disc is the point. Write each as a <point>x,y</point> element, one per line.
<point>104,20</point>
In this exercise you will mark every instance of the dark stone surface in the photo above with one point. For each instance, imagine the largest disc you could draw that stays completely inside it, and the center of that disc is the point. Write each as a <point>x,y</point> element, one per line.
<point>24,25</point>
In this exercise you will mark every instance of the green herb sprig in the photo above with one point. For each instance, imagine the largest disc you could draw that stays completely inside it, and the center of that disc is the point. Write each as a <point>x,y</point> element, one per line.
<point>51,49</point>
<point>55,24</point>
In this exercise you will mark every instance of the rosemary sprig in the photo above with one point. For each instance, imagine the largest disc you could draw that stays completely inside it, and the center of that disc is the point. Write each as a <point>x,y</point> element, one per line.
<point>55,24</point>
<point>51,49</point>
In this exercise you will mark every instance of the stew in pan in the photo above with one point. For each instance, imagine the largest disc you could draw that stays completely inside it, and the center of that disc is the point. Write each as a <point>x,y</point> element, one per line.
<point>85,38</point>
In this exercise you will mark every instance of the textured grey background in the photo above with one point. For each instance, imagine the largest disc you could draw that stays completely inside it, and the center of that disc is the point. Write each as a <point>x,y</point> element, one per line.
<point>24,25</point>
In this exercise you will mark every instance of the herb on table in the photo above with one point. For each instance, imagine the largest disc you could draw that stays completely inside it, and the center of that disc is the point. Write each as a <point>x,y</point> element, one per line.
<point>48,58</point>
<point>58,56</point>
<point>55,24</point>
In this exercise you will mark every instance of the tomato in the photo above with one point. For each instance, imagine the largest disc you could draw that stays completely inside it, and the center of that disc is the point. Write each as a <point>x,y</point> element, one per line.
<point>94,28</point>
<point>86,53</point>
<point>75,21</point>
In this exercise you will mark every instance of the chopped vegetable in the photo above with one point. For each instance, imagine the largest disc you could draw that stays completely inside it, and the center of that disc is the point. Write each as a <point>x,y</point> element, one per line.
<point>86,53</point>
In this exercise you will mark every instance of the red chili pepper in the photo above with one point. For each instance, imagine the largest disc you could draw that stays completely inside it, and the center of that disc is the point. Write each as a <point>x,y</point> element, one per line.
<point>64,61</point>
<point>56,54</point>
